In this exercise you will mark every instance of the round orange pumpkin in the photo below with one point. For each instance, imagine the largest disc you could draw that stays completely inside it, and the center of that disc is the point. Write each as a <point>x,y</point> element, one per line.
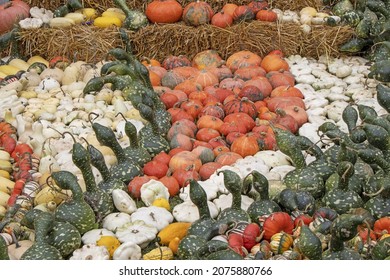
<point>12,12</point>
<point>222,19</point>
<point>185,160</point>
<point>273,62</point>
<point>229,8</point>
<point>267,15</point>
<point>205,78</point>
<point>207,59</point>
<point>227,158</point>
<point>245,145</point>
<point>208,121</point>
<point>243,59</point>
<point>197,13</point>
<point>164,11</point>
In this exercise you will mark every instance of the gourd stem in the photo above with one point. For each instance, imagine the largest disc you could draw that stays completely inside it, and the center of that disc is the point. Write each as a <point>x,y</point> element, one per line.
<point>89,116</point>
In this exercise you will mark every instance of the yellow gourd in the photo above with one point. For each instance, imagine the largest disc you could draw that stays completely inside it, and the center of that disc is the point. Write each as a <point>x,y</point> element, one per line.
<point>19,63</point>
<point>76,17</point>
<point>9,69</point>
<point>4,174</point>
<point>6,185</point>
<point>110,242</point>
<point>37,58</point>
<point>5,165</point>
<point>161,253</point>
<point>4,198</point>
<point>89,13</point>
<point>104,22</point>
<point>61,22</point>
<point>178,229</point>
<point>48,194</point>
<point>122,16</point>
<point>162,202</point>
<point>174,245</point>
<point>3,75</point>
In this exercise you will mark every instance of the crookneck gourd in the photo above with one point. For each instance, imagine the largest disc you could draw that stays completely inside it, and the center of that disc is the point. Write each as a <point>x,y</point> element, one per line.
<point>342,198</point>
<point>308,244</point>
<point>263,205</point>
<point>233,184</point>
<point>126,168</point>
<point>41,249</point>
<point>63,236</point>
<point>3,249</point>
<point>297,202</point>
<point>75,211</point>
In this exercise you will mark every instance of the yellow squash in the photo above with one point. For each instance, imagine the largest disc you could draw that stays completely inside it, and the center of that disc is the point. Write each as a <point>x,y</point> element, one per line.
<point>104,22</point>
<point>161,253</point>
<point>178,229</point>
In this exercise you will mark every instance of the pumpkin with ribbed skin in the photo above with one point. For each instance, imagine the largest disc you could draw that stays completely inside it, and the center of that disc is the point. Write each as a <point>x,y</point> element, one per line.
<point>267,15</point>
<point>164,11</point>
<point>197,13</point>
<point>207,59</point>
<point>243,59</point>
<point>173,61</point>
<point>257,5</point>
<point>205,78</point>
<point>277,222</point>
<point>245,145</point>
<point>222,19</point>
<point>241,105</point>
<point>184,160</point>
<point>274,62</point>
<point>243,13</point>
<point>229,8</point>
<point>11,13</point>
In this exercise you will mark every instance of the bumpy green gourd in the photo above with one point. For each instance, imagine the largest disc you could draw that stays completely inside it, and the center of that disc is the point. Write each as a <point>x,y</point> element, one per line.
<point>227,254</point>
<point>295,201</point>
<point>3,249</point>
<point>309,244</point>
<point>134,150</point>
<point>75,211</point>
<point>342,198</point>
<point>383,96</point>
<point>210,247</point>
<point>134,19</point>
<point>263,205</point>
<point>381,250</point>
<point>379,204</point>
<point>41,250</point>
<point>233,184</point>
<point>188,247</point>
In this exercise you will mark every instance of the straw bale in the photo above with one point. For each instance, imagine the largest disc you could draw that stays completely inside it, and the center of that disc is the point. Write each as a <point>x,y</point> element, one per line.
<point>91,44</point>
<point>101,5</point>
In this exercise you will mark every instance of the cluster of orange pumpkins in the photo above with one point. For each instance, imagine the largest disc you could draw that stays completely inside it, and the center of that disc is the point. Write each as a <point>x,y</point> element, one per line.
<point>199,12</point>
<point>221,111</point>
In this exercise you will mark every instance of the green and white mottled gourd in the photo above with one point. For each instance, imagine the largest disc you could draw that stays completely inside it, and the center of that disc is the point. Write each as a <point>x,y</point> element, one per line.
<point>309,244</point>
<point>210,247</point>
<point>3,250</point>
<point>99,200</point>
<point>134,150</point>
<point>342,198</point>
<point>150,136</point>
<point>233,184</point>
<point>383,97</point>
<point>134,19</point>
<point>227,254</point>
<point>302,177</point>
<point>108,184</point>
<point>379,203</point>
<point>263,205</point>
<point>341,7</point>
<point>380,70</point>
<point>63,236</point>
<point>381,251</point>
<point>344,228</point>
<point>75,211</point>
<point>126,169</point>
<point>41,249</point>
<point>189,246</point>
<point>350,116</point>
<point>95,84</point>
<point>205,227</point>
<point>297,202</point>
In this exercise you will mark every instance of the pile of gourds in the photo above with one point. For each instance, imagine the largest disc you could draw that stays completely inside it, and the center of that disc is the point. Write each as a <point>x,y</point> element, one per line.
<point>371,20</point>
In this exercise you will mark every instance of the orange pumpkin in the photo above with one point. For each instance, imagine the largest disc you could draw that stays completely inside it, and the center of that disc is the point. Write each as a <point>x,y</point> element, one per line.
<point>154,78</point>
<point>382,226</point>
<point>241,105</point>
<point>267,15</point>
<point>11,13</point>
<point>286,120</point>
<point>253,93</point>
<point>148,62</point>
<point>233,84</point>
<point>207,59</point>
<point>243,13</point>
<point>208,169</point>
<point>185,72</point>
<point>282,102</point>
<point>257,5</point>
<point>220,149</point>
<point>222,19</point>
<point>171,79</point>
<point>205,78</point>
<point>181,141</point>
<point>243,59</point>
<point>197,13</point>
<point>206,134</point>
<point>205,154</point>
<point>233,126</point>
<point>212,110</point>
<point>245,145</point>
<point>155,168</point>
<point>192,107</point>
<point>262,83</point>
<point>208,121</point>
<point>273,62</point>
<point>229,8</point>
<point>134,186</point>
<point>188,86</point>
<point>222,72</point>
<point>171,184</point>
<point>298,113</point>
<point>183,175</point>
<point>169,99</point>
<point>243,118</point>
<point>164,11</point>
<point>249,72</point>
<point>233,136</point>
<point>277,222</point>
<point>163,157</point>
<point>180,127</point>
<point>173,61</point>
<point>184,160</point>
<point>227,158</point>
<point>286,91</point>
<point>281,78</point>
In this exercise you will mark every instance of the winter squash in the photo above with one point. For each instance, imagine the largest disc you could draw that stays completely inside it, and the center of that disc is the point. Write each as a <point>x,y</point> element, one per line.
<point>281,78</point>
<point>12,12</point>
<point>155,79</point>
<point>164,11</point>
<point>206,134</point>
<point>173,61</point>
<point>222,72</point>
<point>222,19</point>
<point>221,93</point>
<point>298,113</point>
<point>277,222</point>
<point>233,136</point>
<point>273,62</point>
<point>184,160</point>
<point>182,141</point>
<point>185,72</point>
<point>149,62</point>
<point>171,184</point>
<point>208,121</point>
<point>169,99</point>
<point>243,13</point>
<point>171,79</point>
<point>262,83</point>
<point>248,73</point>
<point>205,78</point>
<point>267,15</point>
<point>286,120</point>
<point>208,169</point>
<point>286,91</point>
<point>229,8</point>
<point>183,175</point>
<point>197,13</point>
<point>213,110</point>
<point>253,93</point>
<point>188,86</point>
<point>241,105</point>
<point>241,117</point>
<point>134,186</point>
<point>199,95</point>
<point>257,5</point>
<point>243,59</point>
<point>282,102</point>
<point>205,154</point>
<point>207,59</point>
<point>227,158</point>
<point>233,84</point>
<point>233,126</point>
<point>192,106</point>
<point>245,145</point>
<point>382,226</point>
<point>155,168</point>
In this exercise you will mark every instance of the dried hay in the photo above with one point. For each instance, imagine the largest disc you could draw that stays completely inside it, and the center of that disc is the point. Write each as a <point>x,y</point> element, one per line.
<point>158,41</point>
<point>101,5</point>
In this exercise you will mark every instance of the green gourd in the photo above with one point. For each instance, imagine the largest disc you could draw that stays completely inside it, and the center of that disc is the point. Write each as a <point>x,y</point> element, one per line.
<point>94,85</point>
<point>383,96</point>
<point>99,200</point>
<point>41,249</point>
<point>380,70</point>
<point>381,250</point>
<point>233,184</point>
<point>126,169</point>
<point>263,205</point>
<point>297,202</point>
<point>227,254</point>
<point>210,247</point>
<point>150,136</point>
<point>108,184</point>
<point>63,236</point>
<point>341,7</point>
<point>189,246</point>
<point>3,249</point>
<point>134,19</point>
<point>342,198</point>
<point>75,211</point>
<point>343,228</point>
<point>309,244</point>
<point>205,227</point>
<point>108,65</point>
<point>379,203</point>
